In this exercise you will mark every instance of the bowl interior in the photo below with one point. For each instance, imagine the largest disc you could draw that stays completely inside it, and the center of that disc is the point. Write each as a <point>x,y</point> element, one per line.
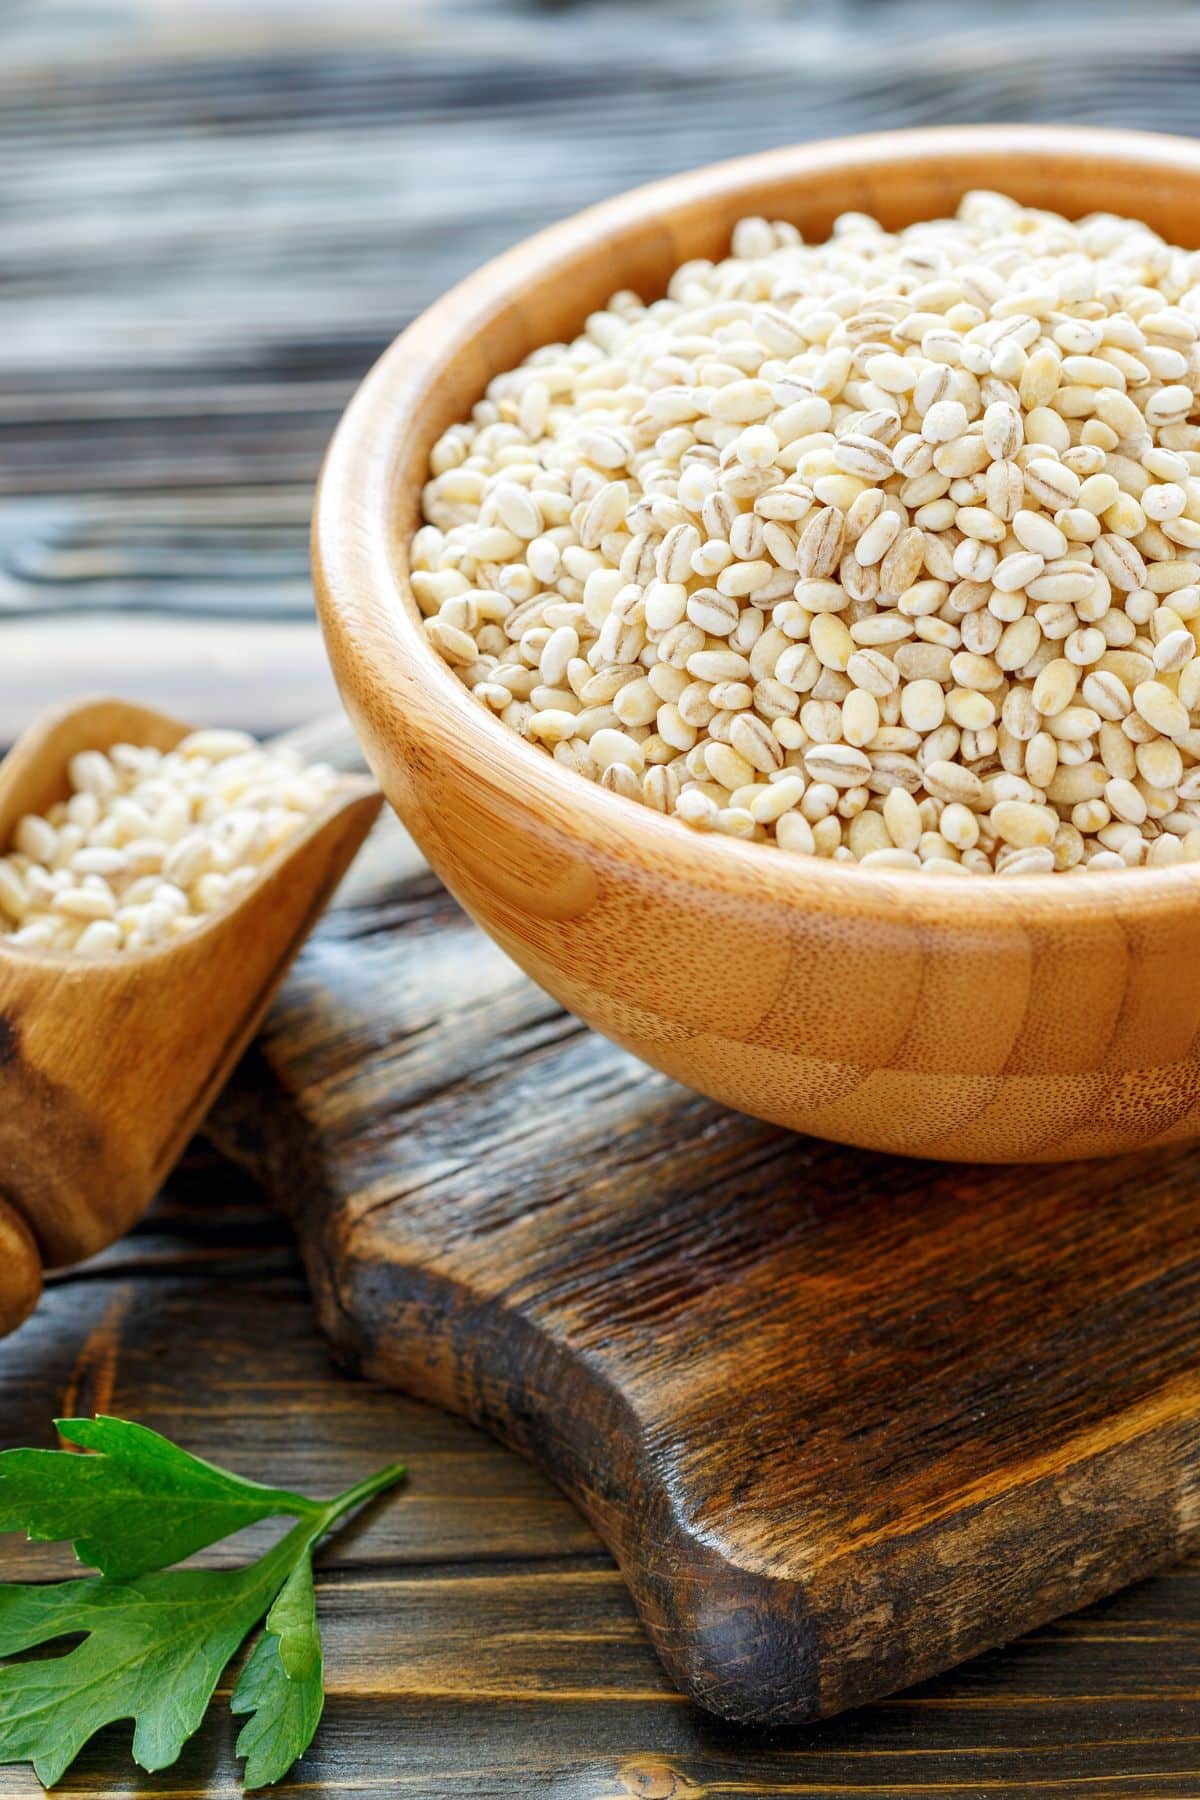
<point>541,293</point>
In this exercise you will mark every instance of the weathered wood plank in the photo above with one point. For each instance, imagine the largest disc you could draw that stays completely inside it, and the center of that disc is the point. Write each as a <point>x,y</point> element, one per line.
<point>207,235</point>
<point>508,1682</point>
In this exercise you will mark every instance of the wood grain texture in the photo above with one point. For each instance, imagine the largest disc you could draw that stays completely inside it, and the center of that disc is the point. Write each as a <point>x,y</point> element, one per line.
<point>108,1064</point>
<point>479,1643</point>
<point>844,1419</point>
<point>217,216</point>
<point>998,1020</point>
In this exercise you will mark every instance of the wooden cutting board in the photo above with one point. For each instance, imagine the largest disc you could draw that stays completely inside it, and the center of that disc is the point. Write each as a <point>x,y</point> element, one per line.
<point>844,1419</point>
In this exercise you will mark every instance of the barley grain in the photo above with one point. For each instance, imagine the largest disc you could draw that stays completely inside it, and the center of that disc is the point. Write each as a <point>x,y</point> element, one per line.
<point>128,860</point>
<point>935,543</point>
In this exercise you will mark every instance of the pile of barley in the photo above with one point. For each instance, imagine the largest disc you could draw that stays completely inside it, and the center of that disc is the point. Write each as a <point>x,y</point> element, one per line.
<point>148,845</point>
<point>885,549</point>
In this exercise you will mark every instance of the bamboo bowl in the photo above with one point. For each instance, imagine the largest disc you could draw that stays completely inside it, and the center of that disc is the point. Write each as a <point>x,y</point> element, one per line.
<point>1000,1019</point>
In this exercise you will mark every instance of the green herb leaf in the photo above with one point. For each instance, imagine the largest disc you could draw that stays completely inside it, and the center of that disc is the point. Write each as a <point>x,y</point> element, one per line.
<point>281,1684</point>
<point>141,1503</point>
<point>155,1641</point>
<point>154,1652</point>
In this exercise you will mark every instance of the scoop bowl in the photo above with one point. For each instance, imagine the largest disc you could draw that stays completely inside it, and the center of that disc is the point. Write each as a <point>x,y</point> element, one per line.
<point>109,1063</point>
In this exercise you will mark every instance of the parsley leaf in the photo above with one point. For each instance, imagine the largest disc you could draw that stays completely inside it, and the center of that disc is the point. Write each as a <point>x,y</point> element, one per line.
<point>154,1652</point>
<point>281,1684</point>
<point>156,1642</point>
<point>141,1503</point>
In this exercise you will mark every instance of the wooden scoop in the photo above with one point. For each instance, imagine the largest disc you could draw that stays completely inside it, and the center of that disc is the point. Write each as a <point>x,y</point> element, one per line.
<point>108,1063</point>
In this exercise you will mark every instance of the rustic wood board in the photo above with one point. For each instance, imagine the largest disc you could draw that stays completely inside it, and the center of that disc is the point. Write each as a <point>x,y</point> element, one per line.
<point>479,1643</point>
<point>843,1419</point>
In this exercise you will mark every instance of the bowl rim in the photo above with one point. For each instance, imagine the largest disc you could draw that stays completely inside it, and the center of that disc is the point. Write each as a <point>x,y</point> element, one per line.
<point>373,630</point>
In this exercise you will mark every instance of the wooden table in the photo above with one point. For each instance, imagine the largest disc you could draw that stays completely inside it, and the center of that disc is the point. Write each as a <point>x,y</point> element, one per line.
<point>211,218</point>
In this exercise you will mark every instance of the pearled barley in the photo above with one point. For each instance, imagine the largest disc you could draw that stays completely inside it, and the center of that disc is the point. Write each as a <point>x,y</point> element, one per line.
<point>885,549</point>
<point>148,843</point>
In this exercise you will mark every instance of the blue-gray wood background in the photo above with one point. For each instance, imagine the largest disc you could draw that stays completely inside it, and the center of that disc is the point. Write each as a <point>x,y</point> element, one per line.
<point>213,215</point>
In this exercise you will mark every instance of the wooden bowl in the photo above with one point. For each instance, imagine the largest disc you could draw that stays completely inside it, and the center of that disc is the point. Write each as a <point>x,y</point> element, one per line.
<point>1003,1019</point>
<point>109,1063</point>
